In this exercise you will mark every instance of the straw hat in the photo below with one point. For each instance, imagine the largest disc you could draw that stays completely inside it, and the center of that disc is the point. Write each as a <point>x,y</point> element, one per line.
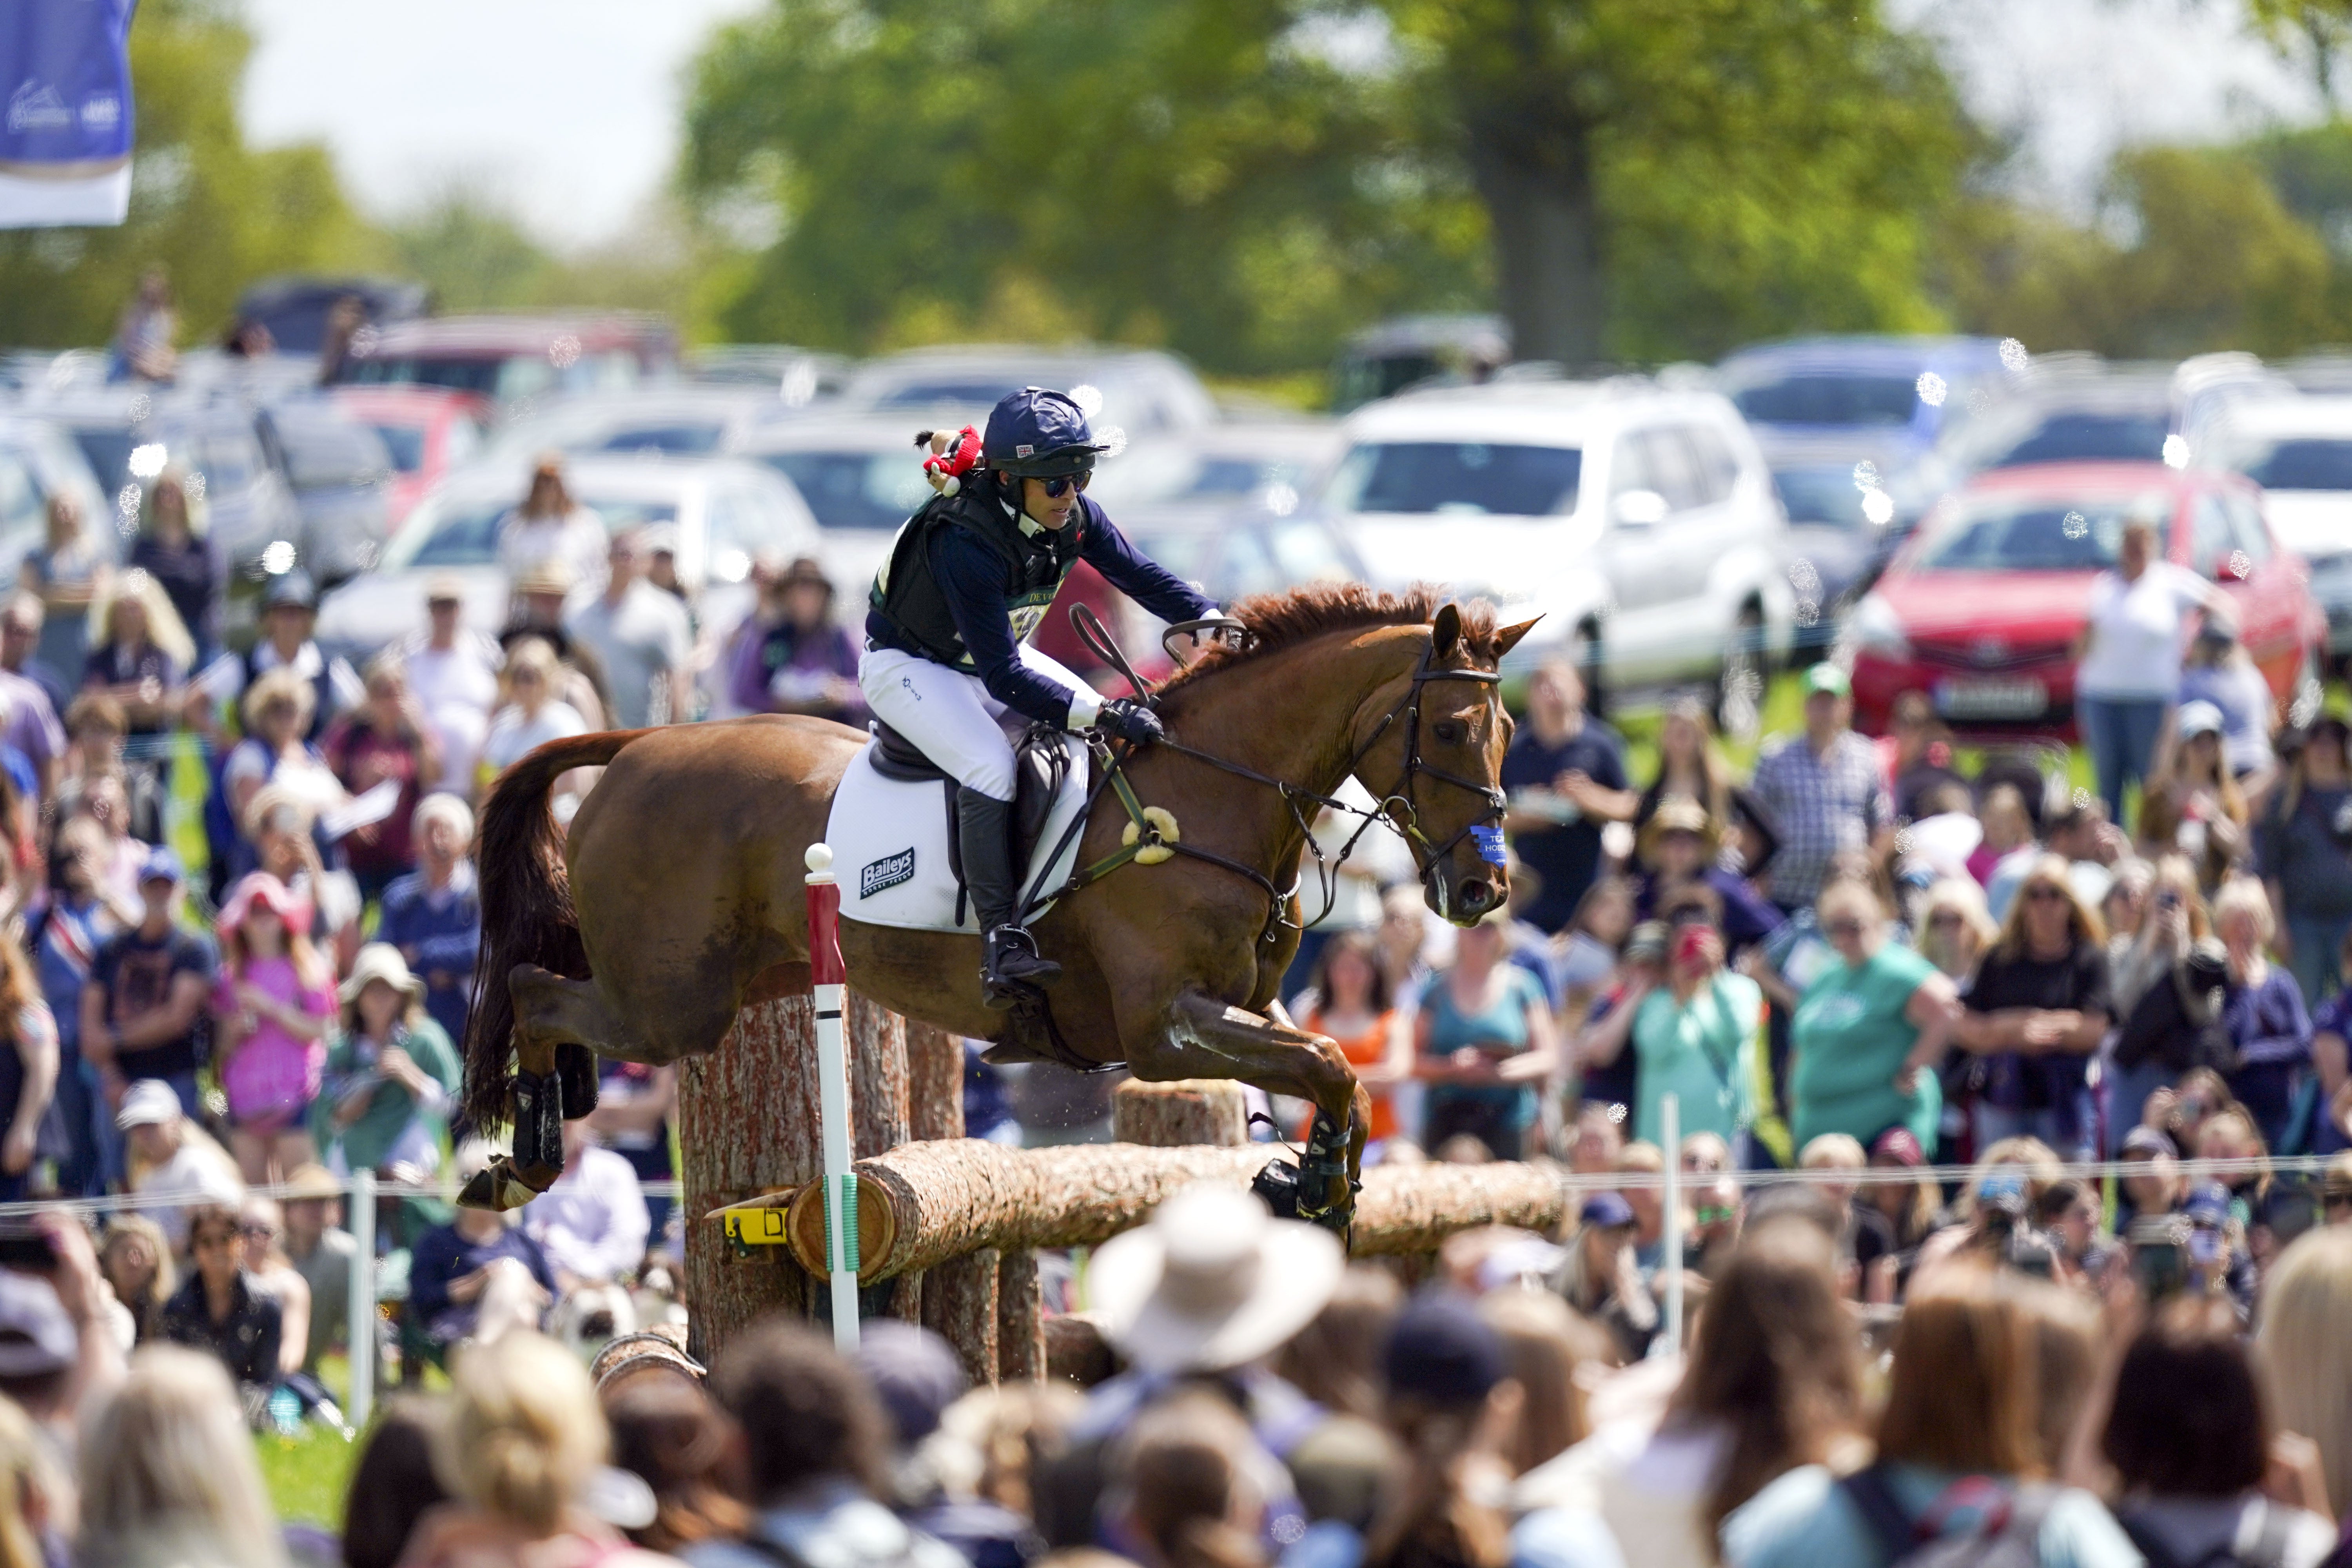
<point>1212,1282</point>
<point>1679,814</point>
<point>381,960</point>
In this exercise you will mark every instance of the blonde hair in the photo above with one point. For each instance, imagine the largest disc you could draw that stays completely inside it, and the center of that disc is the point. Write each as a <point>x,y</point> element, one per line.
<point>279,685</point>
<point>23,1478</point>
<point>524,1432</point>
<point>2242,894</point>
<point>1833,1151</point>
<point>167,1459</point>
<point>1962,897</point>
<point>2305,1354</point>
<point>1861,896</point>
<point>2052,870</point>
<point>166,630</point>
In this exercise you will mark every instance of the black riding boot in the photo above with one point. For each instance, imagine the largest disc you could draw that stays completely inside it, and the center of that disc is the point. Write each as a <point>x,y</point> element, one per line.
<point>1008,962</point>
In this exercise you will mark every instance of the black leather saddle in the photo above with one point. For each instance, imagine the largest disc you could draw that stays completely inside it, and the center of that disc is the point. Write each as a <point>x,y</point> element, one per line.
<point>1041,763</point>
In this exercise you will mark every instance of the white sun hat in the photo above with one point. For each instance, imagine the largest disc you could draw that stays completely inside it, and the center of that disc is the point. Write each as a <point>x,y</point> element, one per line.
<point>1212,1281</point>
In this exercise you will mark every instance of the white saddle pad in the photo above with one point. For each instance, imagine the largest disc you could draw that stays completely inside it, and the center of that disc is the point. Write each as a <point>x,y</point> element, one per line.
<point>889,843</point>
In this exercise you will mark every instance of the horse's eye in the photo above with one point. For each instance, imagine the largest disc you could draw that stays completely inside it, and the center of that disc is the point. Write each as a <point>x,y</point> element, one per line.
<point>1449,731</point>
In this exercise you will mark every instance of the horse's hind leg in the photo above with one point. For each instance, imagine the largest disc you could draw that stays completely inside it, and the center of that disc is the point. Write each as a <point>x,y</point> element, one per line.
<point>1209,1039</point>
<point>560,1026</point>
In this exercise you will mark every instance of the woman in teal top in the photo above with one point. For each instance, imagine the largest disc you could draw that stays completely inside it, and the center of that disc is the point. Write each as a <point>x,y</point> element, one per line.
<point>1695,1037</point>
<point>1484,1043</point>
<point>1869,1032</point>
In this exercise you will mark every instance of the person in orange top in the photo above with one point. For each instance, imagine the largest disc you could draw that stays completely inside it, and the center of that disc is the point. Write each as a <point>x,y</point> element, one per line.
<point>1350,1001</point>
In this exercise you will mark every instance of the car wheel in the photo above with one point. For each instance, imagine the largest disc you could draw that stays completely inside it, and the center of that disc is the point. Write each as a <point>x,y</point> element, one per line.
<point>1739,686</point>
<point>1584,652</point>
<point>2310,689</point>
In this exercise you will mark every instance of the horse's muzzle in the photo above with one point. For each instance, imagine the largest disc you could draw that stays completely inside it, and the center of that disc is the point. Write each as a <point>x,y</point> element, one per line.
<point>1478,895</point>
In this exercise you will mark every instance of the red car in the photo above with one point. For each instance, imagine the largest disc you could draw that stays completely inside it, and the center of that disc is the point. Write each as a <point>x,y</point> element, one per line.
<point>1982,608</point>
<point>429,430</point>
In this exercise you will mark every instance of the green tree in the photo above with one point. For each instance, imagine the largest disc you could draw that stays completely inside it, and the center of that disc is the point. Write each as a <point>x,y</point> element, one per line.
<point>215,213</point>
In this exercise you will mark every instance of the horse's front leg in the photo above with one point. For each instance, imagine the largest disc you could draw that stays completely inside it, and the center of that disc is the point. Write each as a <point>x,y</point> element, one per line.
<point>1206,1037</point>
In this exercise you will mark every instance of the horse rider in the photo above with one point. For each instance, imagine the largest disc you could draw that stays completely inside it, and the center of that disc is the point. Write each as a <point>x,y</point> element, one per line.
<point>968,579</point>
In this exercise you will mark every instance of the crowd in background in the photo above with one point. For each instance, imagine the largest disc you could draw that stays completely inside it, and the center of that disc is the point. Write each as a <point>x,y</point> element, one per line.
<point>247,920</point>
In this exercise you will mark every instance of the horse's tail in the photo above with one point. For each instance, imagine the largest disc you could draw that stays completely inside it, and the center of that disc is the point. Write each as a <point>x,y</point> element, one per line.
<point>526,916</point>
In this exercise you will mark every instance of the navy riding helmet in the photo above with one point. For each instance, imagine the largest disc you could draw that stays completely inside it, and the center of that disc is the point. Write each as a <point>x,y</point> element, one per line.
<point>1039,435</point>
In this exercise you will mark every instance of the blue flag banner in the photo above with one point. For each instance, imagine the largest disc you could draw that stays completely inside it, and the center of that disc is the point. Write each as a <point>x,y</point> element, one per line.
<point>65,131</point>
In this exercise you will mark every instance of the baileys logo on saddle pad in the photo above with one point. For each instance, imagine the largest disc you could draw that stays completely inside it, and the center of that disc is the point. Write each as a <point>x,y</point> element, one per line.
<point>888,872</point>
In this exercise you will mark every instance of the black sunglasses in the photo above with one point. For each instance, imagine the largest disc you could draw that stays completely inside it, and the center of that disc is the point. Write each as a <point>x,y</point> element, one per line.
<point>2338,1200</point>
<point>1846,928</point>
<point>1059,485</point>
<point>2041,891</point>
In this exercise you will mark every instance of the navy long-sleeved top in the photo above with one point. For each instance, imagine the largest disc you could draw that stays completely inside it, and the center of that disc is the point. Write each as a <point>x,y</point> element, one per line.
<point>438,933</point>
<point>442,1257</point>
<point>978,582</point>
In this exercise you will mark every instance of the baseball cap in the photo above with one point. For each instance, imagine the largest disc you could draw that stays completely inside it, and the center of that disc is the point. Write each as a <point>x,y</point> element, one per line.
<point>1827,678</point>
<point>1900,1146</point>
<point>2151,1142</point>
<point>2199,718</point>
<point>916,1374</point>
<point>1443,1350</point>
<point>160,865</point>
<point>1607,1210</point>
<point>1040,434</point>
<point>1647,942</point>
<point>293,588</point>
<point>443,589</point>
<point>147,1104</point>
<point>36,1337</point>
<point>2209,1204</point>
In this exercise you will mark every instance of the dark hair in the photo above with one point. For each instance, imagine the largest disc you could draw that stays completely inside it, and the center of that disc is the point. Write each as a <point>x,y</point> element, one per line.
<point>1361,944</point>
<point>667,1431</point>
<point>1690,895</point>
<point>1776,1361</point>
<point>2189,1418</point>
<point>2055,1200</point>
<point>805,1412</point>
<point>1335,1360</point>
<point>1179,1465</point>
<point>393,1482</point>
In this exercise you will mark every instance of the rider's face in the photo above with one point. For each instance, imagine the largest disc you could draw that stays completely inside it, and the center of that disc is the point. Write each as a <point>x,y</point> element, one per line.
<point>1053,511</point>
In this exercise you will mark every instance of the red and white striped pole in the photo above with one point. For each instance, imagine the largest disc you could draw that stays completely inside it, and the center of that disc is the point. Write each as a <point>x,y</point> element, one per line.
<point>829,980</point>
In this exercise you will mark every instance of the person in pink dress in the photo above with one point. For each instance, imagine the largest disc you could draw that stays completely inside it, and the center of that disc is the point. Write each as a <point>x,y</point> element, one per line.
<point>271,1011</point>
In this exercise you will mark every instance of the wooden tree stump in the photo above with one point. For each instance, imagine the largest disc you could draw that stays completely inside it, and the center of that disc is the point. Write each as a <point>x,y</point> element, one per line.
<point>1187,1111</point>
<point>877,1039</point>
<point>1020,1319</point>
<point>934,1082</point>
<point>960,1306</point>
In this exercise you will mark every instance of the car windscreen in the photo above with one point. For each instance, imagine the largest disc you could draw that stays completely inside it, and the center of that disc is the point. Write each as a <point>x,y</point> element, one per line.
<point>856,490</point>
<point>464,534</point>
<point>2077,437</point>
<point>107,452</point>
<point>2300,463</point>
<point>323,454</point>
<point>2039,534</point>
<point>1469,477</point>
<point>404,444</point>
<point>683,438</point>
<point>1822,495</point>
<point>1830,398</point>
<point>982,392</point>
<point>632,512</point>
<point>477,375</point>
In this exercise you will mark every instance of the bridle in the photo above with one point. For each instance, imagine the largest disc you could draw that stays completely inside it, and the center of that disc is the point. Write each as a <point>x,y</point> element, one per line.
<point>1399,808</point>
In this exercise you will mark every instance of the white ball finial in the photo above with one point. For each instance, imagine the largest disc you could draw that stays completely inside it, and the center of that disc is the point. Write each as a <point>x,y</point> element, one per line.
<point>819,858</point>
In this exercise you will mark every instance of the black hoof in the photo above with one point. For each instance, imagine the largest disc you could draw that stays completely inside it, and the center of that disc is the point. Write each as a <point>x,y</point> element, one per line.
<point>499,1187</point>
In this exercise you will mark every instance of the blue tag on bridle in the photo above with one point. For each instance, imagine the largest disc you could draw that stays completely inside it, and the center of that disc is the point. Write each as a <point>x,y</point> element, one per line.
<point>1490,845</point>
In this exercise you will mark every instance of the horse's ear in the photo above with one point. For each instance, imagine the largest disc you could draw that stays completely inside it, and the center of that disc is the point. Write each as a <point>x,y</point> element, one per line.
<point>1445,631</point>
<point>1509,637</point>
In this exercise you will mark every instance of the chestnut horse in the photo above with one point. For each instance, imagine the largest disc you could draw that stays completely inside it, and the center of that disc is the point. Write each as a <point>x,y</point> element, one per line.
<point>680,887</point>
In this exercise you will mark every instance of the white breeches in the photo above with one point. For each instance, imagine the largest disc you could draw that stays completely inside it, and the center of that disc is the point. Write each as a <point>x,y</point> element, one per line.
<point>950,714</point>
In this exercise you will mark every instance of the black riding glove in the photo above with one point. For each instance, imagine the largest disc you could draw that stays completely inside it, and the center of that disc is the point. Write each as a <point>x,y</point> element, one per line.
<point>1131,720</point>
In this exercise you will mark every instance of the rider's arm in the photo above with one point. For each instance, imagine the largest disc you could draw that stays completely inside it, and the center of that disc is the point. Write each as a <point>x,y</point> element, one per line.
<point>970,577</point>
<point>1102,546</point>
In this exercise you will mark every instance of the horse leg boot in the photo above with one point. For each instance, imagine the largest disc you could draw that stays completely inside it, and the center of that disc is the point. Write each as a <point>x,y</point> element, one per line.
<point>1009,965</point>
<point>510,1182</point>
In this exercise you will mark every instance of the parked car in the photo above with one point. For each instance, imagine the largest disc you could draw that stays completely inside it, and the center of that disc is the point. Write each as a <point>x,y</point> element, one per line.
<point>1229,553</point>
<point>1143,391</point>
<point>340,471</point>
<point>719,512</point>
<point>799,376</point>
<point>2299,449</point>
<point>295,308</point>
<point>1412,349</point>
<point>511,359</point>
<point>1217,467</point>
<point>1839,516</point>
<point>1982,608</point>
<point>679,421</point>
<point>127,434</point>
<point>1640,522</point>
<point>861,477</point>
<point>1898,392</point>
<point>38,461</point>
<point>428,431</point>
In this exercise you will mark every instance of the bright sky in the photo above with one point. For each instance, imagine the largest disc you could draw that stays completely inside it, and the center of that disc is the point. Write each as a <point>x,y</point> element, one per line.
<point>569,110</point>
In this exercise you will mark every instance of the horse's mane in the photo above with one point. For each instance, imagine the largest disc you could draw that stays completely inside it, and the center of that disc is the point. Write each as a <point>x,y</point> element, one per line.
<point>1279,621</point>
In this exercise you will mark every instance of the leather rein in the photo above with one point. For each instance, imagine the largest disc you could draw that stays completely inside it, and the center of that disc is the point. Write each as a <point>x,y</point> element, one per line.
<point>1398,808</point>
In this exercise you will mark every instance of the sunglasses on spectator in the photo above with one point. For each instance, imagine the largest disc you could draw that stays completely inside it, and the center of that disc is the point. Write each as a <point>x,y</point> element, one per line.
<point>1944,918</point>
<point>2338,1200</point>
<point>257,1232</point>
<point>1842,928</point>
<point>2041,891</point>
<point>1062,484</point>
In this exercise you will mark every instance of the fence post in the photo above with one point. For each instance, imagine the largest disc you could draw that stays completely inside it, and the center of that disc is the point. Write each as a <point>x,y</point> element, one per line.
<point>830,981</point>
<point>364,1320</point>
<point>1670,1133</point>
